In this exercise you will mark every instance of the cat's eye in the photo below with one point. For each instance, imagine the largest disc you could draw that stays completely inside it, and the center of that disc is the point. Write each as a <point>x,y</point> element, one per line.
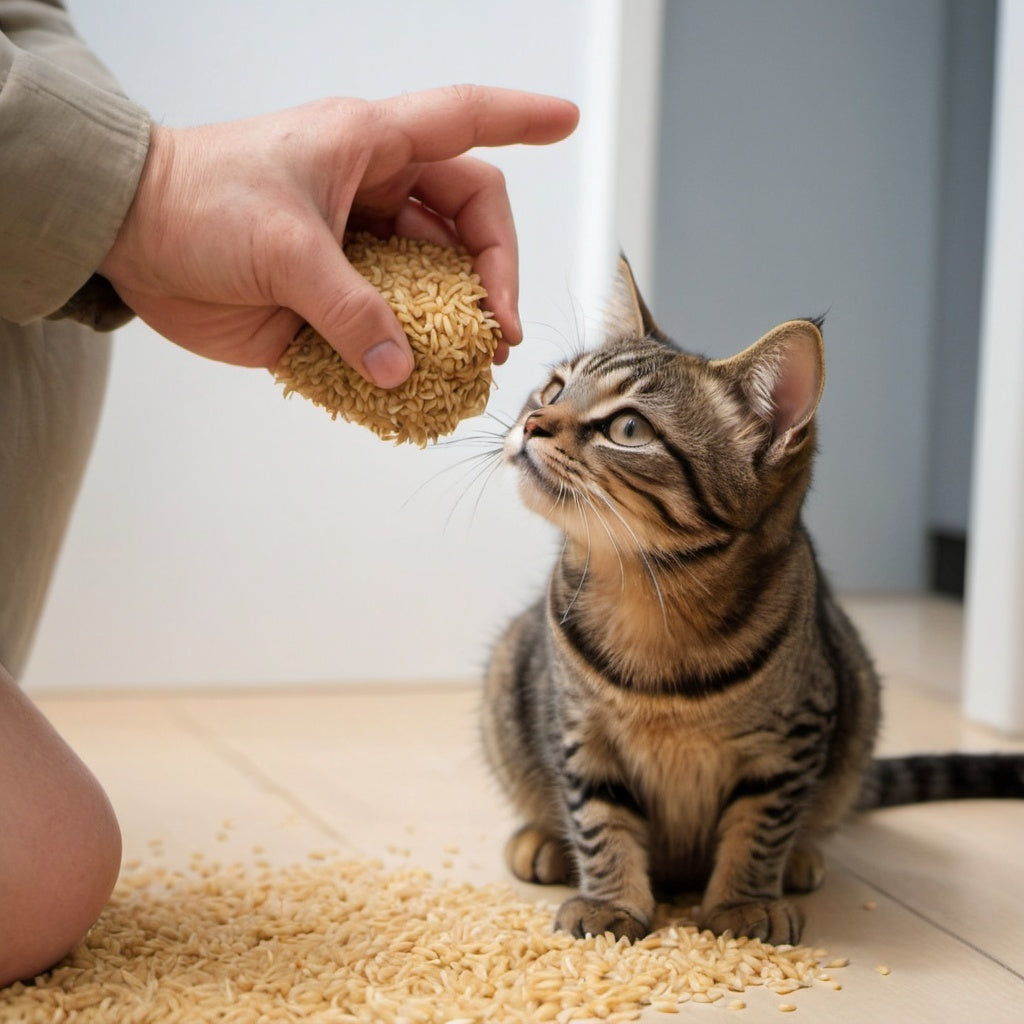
<point>551,391</point>
<point>630,429</point>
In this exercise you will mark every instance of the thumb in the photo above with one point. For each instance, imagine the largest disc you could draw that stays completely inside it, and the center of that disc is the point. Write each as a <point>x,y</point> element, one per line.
<point>351,315</point>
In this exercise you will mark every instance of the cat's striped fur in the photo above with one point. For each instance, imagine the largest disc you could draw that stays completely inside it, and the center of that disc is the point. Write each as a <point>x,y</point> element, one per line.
<point>687,706</point>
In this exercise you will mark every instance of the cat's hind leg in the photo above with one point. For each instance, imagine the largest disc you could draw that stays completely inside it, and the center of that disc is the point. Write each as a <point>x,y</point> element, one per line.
<point>534,855</point>
<point>805,868</point>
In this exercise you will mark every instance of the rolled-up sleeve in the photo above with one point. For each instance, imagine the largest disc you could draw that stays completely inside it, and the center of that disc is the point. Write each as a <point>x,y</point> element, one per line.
<point>71,153</point>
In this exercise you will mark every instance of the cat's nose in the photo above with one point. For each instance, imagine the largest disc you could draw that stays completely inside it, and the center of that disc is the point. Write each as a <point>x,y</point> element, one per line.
<point>534,426</point>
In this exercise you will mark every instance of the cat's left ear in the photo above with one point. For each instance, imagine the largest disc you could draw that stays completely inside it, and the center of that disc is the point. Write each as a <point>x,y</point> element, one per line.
<point>782,377</point>
<point>627,315</point>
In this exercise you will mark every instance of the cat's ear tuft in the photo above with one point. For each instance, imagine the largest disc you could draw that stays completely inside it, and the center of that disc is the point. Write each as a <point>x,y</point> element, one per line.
<point>627,315</point>
<point>782,376</point>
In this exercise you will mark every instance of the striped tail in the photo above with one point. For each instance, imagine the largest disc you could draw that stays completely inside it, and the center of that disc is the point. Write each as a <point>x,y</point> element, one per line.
<point>919,778</point>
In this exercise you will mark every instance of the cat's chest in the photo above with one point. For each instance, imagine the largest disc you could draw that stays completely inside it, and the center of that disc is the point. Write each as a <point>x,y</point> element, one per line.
<point>681,763</point>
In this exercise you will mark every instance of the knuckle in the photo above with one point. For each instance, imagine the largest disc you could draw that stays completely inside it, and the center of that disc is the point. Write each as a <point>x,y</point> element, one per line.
<point>469,94</point>
<point>493,177</point>
<point>351,315</point>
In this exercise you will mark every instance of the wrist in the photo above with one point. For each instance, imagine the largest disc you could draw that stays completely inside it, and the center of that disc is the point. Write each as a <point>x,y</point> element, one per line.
<point>126,259</point>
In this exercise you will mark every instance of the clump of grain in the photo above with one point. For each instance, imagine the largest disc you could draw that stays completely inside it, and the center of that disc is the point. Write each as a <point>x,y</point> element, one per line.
<point>437,299</point>
<point>351,941</point>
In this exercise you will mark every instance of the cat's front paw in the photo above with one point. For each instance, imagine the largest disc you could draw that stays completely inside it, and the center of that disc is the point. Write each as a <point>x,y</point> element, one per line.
<point>535,856</point>
<point>775,921</point>
<point>582,916</point>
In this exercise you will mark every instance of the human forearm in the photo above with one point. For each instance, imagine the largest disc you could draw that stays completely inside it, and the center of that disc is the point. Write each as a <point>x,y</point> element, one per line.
<point>71,151</point>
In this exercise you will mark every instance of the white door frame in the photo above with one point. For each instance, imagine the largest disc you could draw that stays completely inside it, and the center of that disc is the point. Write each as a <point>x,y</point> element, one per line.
<point>994,644</point>
<point>620,177</point>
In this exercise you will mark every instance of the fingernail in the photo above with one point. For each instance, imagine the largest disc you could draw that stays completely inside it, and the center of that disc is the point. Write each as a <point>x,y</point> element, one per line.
<point>517,327</point>
<point>387,364</point>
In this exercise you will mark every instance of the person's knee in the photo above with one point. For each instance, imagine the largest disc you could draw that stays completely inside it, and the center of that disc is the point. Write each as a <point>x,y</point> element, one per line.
<point>65,881</point>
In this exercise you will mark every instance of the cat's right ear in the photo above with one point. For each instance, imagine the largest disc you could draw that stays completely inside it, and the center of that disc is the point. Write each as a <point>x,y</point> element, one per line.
<point>782,377</point>
<point>627,315</point>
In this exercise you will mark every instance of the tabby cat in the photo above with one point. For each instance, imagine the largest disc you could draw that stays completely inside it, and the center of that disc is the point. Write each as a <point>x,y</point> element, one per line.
<point>687,707</point>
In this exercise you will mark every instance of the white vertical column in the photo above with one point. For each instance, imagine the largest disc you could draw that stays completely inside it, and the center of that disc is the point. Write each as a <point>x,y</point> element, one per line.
<point>620,174</point>
<point>639,122</point>
<point>994,655</point>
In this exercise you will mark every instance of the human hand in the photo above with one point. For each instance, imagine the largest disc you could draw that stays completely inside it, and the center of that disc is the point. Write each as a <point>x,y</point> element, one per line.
<point>233,239</point>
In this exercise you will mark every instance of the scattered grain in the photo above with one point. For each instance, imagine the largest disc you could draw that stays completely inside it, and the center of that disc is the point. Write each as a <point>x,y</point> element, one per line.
<point>882,969</point>
<point>347,942</point>
<point>787,1007</point>
<point>870,905</point>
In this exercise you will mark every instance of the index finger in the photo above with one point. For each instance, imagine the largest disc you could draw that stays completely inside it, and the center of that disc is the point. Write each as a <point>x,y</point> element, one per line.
<point>439,124</point>
<point>471,195</point>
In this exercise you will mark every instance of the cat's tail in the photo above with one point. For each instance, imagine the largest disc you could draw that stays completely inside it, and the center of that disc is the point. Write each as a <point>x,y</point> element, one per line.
<point>918,778</point>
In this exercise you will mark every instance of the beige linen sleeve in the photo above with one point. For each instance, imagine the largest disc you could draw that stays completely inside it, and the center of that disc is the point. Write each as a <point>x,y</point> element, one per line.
<point>71,152</point>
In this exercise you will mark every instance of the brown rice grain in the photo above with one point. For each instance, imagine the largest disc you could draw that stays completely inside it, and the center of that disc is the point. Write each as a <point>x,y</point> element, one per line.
<point>437,299</point>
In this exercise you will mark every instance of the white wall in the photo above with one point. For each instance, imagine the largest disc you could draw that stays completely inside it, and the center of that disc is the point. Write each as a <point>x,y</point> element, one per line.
<point>225,536</point>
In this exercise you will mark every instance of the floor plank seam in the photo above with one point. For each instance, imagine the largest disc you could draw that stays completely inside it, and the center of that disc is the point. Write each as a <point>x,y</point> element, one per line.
<point>945,929</point>
<point>255,774</point>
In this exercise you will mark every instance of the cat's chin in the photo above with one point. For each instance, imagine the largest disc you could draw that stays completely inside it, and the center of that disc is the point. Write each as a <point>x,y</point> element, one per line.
<point>534,476</point>
<point>549,500</point>
<point>538,495</point>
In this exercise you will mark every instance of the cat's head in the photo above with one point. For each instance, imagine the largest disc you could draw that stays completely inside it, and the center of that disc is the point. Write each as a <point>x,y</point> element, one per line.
<point>639,444</point>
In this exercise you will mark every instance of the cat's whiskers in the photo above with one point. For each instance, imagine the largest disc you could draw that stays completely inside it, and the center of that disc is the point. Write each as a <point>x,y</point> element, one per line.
<point>567,487</point>
<point>586,562</point>
<point>489,465</point>
<point>600,492</point>
<point>704,586</point>
<point>475,457</point>
<point>558,499</point>
<point>611,537</point>
<point>506,424</point>
<point>568,343</point>
<point>476,466</point>
<point>496,463</point>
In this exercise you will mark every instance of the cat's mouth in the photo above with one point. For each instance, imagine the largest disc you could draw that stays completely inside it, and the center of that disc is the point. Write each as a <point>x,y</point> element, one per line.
<point>535,472</point>
<point>533,468</point>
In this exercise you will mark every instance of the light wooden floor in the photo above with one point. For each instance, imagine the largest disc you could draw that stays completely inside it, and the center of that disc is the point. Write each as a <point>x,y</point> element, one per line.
<point>396,773</point>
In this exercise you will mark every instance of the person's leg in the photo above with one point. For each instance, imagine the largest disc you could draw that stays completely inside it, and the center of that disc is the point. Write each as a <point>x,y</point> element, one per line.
<point>52,379</point>
<point>60,847</point>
